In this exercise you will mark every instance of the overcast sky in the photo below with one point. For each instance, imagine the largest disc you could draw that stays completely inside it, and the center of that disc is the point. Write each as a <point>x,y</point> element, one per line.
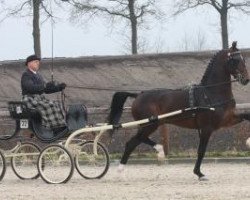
<point>165,36</point>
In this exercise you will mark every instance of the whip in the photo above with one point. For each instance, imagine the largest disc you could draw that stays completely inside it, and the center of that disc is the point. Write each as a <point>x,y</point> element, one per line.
<point>52,42</point>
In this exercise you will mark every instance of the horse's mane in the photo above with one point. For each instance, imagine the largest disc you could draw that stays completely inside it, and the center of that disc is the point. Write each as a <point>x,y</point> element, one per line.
<point>209,68</point>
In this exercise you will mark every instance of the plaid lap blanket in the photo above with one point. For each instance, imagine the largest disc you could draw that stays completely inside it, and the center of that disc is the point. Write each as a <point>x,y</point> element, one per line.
<point>52,116</point>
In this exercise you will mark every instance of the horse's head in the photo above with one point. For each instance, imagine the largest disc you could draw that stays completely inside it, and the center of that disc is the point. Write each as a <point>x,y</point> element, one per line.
<point>237,65</point>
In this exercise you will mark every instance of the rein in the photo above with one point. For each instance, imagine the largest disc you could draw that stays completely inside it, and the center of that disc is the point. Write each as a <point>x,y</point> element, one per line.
<point>137,90</point>
<point>52,42</point>
<point>217,84</point>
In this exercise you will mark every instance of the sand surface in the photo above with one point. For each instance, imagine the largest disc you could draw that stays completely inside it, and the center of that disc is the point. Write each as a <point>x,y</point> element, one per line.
<point>169,181</point>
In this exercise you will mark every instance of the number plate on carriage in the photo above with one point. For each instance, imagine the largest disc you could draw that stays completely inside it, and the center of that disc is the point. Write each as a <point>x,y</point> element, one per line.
<point>24,123</point>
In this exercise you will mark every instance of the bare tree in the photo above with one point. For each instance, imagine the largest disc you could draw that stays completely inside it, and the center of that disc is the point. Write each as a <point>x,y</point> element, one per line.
<point>36,27</point>
<point>221,6</point>
<point>26,8</point>
<point>132,11</point>
<point>159,44</point>
<point>194,42</point>
<point>200,41</point>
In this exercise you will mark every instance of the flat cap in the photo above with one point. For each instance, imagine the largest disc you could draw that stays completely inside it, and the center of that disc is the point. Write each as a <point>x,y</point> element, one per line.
<point>31,58</point>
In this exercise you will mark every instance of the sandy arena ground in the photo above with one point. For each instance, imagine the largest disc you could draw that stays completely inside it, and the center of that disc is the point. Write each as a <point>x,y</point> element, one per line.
<point>141,182</point>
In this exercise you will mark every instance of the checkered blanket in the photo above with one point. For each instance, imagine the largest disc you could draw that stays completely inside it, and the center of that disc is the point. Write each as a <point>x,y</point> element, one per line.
<point>51,112</point>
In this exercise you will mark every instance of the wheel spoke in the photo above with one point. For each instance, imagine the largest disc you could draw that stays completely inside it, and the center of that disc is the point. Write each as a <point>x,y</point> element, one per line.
<point>55,164</point>
<point>89,165</point>
<point>24,161</point>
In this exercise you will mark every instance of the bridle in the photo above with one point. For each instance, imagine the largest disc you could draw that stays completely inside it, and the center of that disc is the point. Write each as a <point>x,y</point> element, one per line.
<point>231,55</point>
<point>233,61</point>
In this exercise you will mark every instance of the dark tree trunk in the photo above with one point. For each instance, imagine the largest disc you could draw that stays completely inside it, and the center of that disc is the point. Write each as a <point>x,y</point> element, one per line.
<point>133,21</point>
<point>36,27</point>
<point>224,29</point>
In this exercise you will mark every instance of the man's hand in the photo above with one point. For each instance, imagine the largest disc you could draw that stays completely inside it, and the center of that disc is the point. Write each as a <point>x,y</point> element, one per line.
<point>62,86</point>
<point>50,87</point>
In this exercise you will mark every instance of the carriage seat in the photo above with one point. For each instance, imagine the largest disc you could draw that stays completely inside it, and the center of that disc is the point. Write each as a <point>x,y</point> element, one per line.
<point>76,116</point>
<point>20,110</point>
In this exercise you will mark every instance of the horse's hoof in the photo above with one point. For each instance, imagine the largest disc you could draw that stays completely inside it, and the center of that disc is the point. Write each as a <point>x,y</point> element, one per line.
<point>121,173</point>
<point>160,154</point>
<point>160,157</point>
<point>203,178</point>
<point>121,168</point>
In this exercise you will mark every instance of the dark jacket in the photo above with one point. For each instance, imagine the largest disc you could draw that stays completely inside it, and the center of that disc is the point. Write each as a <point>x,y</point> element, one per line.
<point>32,83</point>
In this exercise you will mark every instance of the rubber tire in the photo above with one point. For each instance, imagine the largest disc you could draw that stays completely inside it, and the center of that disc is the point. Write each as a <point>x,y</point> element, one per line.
<point>2,173</point>
<point>41,165</point>
<point>13,160</point>
<point>105,170</point>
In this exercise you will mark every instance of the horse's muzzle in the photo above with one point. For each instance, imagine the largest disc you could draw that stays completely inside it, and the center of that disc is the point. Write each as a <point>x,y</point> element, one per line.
<point>246,81</point>
<point>241,79</point>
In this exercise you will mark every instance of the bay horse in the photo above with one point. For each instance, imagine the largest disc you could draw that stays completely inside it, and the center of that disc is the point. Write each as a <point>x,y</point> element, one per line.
<point>214,90</point>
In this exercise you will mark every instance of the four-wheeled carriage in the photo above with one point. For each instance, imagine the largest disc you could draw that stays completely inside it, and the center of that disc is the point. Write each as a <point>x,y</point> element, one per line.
<point>25,155</point>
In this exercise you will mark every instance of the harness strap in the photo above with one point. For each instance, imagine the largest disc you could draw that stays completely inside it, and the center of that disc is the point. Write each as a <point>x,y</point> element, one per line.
<point>223,103</point>
<point>191,96</point>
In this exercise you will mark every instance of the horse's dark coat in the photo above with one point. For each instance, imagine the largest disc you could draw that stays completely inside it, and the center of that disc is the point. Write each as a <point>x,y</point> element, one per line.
<point>215,90</point>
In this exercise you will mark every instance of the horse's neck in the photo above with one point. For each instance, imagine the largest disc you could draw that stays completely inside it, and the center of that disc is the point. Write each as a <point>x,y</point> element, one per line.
<point>218,83</point>
<point>217,80</point>
<point>221,91</point>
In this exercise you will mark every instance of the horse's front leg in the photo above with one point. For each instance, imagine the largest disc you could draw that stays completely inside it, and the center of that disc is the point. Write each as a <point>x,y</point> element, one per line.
<point>204,138</point>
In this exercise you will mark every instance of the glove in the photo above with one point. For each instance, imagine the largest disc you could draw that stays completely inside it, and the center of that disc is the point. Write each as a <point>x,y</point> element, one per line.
<point>61,86</point>
<point>50,87</point>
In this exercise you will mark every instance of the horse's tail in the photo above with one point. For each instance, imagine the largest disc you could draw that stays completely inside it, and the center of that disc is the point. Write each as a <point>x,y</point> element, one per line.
<point>116,107</point>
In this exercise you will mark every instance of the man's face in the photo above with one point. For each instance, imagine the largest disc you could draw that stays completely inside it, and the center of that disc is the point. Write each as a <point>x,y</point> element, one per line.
<point>34,65</point>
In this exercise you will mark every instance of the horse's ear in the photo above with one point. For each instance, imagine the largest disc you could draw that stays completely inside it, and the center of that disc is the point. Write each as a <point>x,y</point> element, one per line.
<point>234,45</point>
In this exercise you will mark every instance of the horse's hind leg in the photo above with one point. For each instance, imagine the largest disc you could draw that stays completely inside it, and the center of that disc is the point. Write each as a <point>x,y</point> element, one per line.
<point>158,147</point>
<point>141,136</point>
<point>129,148</point>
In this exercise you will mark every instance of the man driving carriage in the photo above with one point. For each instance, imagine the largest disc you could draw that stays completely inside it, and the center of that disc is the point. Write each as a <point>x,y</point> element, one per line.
<point>33,89</point>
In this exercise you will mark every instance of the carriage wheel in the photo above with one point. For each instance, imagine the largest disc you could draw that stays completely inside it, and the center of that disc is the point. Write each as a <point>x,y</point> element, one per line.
<point>55,164</point>
<point>89,165</point>
<point>24,161</point>
<point>9,127</point>
<point>2,165</point>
